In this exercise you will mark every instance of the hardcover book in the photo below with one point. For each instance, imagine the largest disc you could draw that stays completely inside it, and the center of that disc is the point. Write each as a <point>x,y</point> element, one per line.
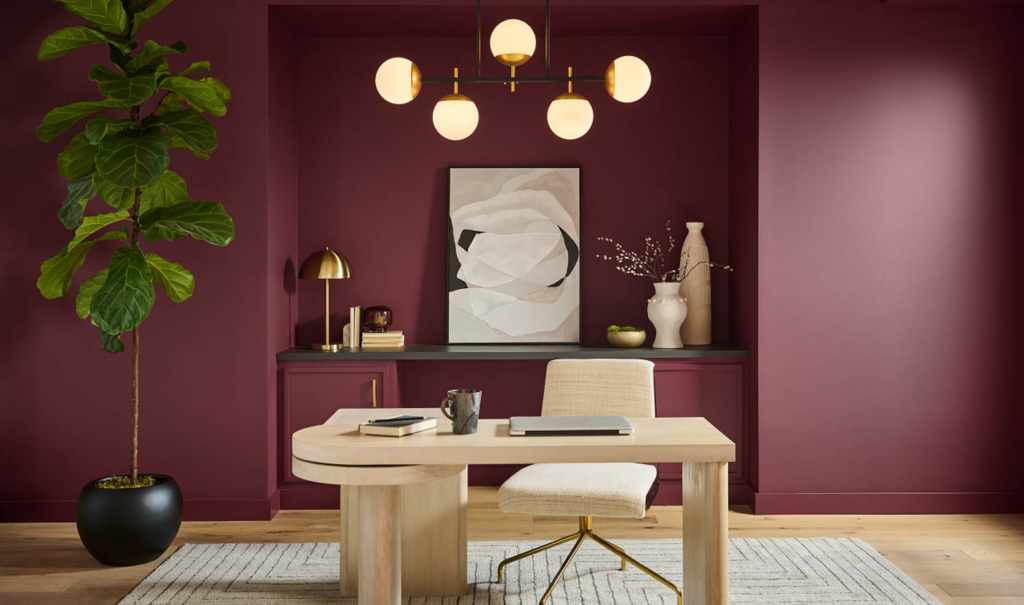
<point>399,426</point>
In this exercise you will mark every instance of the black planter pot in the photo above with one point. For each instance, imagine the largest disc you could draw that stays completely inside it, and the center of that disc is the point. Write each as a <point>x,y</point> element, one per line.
<point>129,526</point>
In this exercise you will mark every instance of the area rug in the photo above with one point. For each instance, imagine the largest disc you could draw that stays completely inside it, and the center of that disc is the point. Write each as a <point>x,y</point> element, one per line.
<point>762,571</point>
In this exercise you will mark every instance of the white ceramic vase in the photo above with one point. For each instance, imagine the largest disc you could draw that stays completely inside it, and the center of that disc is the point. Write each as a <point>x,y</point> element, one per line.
<point>667,310</point>
<point>696,288</point>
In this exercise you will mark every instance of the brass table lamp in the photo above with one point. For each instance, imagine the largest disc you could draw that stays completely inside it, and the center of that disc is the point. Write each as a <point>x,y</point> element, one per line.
<point>326,265</point>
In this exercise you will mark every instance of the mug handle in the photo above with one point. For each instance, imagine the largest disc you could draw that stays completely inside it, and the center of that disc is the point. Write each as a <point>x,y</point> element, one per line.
<point>444,407</point>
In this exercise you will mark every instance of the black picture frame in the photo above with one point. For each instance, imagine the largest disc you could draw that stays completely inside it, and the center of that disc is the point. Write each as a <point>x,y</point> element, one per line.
<point>448,255</point>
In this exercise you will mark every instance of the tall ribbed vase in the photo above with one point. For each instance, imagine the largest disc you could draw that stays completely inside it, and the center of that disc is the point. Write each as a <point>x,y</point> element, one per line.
<point>696,288</point>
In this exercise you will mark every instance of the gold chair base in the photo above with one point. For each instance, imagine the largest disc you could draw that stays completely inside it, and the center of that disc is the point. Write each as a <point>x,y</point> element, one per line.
<point>586,531</point>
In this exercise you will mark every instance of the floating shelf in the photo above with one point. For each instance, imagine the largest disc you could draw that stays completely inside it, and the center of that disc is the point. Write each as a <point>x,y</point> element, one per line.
<point>451,352</point>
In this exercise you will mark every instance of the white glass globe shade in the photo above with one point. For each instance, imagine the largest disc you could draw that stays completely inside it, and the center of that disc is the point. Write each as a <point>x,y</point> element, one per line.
<point>513,42</point>
<point>455,117</point>
<point>627,79</point>
<point>570,116</point>
<point>398,80</point>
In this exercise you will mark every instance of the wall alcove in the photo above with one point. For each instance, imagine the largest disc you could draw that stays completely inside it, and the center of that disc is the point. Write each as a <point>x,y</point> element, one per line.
<point>369,179</point>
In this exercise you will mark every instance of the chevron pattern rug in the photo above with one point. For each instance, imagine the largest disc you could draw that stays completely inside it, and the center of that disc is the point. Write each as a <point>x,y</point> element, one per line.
<point>811,571</point>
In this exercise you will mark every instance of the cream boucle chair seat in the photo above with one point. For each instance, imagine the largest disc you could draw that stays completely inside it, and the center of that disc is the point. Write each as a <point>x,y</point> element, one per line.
<point>588,387</point>
<point>579,490</point>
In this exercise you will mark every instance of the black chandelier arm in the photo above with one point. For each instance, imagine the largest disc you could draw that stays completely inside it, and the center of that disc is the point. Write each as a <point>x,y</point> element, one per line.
<point>506,80</point>
<point>478,38</point>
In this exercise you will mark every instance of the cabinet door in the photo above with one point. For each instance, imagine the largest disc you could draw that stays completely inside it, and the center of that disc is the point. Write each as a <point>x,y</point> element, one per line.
<point>313,395</point>
<point>714,391</point>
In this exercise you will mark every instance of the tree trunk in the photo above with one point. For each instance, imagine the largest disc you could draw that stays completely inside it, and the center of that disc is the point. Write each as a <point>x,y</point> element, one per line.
<point>135,408</point>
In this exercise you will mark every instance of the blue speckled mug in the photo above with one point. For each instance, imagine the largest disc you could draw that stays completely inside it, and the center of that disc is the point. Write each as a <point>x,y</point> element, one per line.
<point>464,410</point>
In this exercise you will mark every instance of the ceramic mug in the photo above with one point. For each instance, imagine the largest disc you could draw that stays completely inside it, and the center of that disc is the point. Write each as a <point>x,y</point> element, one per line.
<point>464,410</point>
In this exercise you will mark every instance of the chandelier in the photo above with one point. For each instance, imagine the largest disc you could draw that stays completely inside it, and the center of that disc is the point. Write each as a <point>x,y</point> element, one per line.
<point>513,43</point>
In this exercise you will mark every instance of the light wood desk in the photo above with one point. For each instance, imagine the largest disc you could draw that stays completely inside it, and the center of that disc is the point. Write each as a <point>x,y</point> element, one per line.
<point>428,471</point>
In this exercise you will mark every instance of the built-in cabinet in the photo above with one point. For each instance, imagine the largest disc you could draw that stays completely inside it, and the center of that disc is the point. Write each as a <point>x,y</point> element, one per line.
<point>711,390</point>
<point>312,390</point>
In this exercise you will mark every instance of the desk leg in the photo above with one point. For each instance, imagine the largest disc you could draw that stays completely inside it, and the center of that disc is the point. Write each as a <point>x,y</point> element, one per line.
<point>705,533</point>
<point>433,538</point>
<point>380,545</point>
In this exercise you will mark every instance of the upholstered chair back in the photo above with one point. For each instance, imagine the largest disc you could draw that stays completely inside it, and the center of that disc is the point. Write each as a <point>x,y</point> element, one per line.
<point>599,387</point>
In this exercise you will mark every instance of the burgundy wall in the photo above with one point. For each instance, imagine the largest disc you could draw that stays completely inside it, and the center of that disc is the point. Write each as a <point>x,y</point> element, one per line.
<point>887,279</point>
<point>373,178</point>
<point>64,418</point>
<point>887,260</point>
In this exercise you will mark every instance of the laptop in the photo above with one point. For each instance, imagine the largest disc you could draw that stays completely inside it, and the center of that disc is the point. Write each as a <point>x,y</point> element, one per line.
<point>568,425</point>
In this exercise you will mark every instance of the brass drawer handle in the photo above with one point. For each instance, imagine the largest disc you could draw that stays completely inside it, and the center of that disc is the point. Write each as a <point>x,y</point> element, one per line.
<point>374,392</point>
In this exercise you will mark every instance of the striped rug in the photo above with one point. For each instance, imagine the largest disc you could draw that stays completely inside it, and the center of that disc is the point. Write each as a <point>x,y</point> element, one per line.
<point>803,571</point>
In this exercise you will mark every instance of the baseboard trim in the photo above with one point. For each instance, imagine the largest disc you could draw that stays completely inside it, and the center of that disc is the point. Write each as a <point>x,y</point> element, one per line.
<point>63,511</point>
<point>670,493</point>
<point>889,503</point>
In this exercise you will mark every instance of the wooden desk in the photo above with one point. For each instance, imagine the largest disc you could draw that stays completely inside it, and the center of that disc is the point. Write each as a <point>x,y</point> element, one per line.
<point>336,453</point>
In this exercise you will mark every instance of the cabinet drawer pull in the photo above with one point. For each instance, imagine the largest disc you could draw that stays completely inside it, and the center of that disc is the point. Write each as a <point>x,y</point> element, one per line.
<point>374,392</point>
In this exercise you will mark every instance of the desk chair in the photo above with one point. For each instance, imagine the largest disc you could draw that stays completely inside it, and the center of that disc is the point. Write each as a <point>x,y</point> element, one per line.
<point>588,387</point>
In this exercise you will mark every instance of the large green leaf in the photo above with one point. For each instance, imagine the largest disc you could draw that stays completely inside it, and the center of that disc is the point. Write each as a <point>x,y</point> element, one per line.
<point>86,291</point>
<point>118,197</point>
<point>133,161</point>
<point>144,16</point>
<point>223,92</point>
<point>69,39</point>
<point>56,272</point>
<point>108,14</point>
<point>177,143</point>
<point>80,191</point>
<point>206,221</point>
<point>201,95</point>
<point>126,90</point>
<point>134,6</point>
<point>101,126</point>
<point>77,158</point>
<point>170,103</point>
<point>176,280</point>
<point>111,343</point>
<point>126,296</point>
<point>92,224</point>
<point>62,118</point>
<point>199,67</point>
<point>153,53</point>
<point>168,190</point>
<point>191,127</point>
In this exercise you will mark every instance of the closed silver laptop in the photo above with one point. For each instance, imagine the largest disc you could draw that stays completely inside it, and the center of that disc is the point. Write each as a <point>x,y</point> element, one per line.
<point>569,425</point>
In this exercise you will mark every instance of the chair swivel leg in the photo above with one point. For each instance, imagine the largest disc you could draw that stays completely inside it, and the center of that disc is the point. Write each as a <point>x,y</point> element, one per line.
<point>534,551</point>
<point>565,565</point>
<point>637,564</point>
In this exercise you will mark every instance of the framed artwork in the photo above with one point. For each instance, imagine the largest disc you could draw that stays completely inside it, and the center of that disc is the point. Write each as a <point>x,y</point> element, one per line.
<point>514,255</point>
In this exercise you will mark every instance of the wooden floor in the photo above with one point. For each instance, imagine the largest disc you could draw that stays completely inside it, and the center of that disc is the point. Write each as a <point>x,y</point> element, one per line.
<point>961,559</point>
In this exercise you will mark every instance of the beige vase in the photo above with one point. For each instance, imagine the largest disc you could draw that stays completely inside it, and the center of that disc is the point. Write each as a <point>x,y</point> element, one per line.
<point>696,288</point>
<point>667,311</point>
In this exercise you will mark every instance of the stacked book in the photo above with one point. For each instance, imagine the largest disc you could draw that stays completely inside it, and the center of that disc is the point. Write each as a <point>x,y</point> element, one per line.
<point>398,426</point>
<point>383,340</point>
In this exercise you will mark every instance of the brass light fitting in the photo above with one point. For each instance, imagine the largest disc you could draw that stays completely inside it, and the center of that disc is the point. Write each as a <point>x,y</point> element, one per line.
<point>513,43</point>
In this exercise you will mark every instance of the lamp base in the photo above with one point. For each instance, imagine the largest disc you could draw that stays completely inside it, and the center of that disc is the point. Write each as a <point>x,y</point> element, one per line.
<point>332,347</point>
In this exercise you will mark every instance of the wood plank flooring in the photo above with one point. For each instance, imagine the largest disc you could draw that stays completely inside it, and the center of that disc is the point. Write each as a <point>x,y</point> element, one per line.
<point>961,559</point>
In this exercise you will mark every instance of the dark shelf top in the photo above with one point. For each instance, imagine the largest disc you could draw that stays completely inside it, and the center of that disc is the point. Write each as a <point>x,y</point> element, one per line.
<point>444,352</point>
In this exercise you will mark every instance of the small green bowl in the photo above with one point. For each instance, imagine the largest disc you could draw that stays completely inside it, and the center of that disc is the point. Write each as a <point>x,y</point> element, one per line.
<point>627,340</point>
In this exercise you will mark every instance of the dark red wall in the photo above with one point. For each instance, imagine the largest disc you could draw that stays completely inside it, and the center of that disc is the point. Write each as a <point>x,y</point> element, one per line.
<point>373,178</point>
<point>888,152</point>
<point>887,322</point>
<point>64,403</point>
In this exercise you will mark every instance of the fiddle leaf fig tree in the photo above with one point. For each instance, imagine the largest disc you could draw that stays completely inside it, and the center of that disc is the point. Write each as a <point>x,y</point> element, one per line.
<point>120,191</point>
